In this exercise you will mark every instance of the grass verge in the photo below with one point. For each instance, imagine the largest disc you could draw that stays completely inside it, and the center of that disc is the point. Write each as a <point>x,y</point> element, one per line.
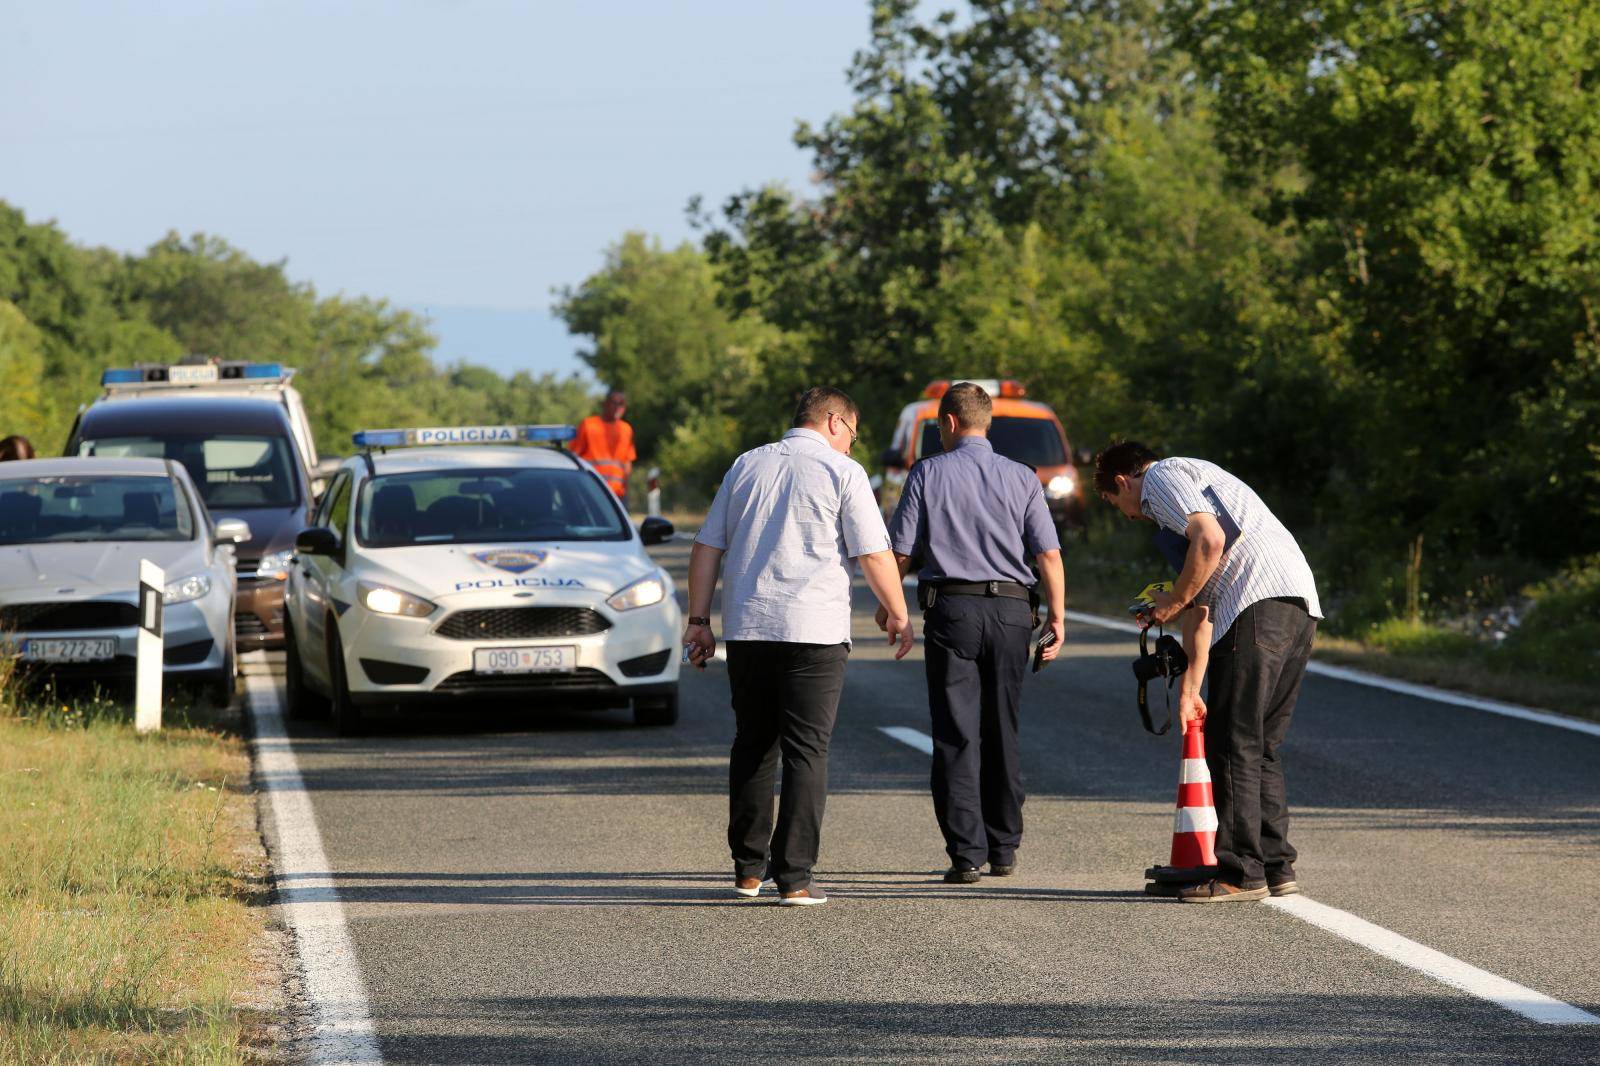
<point>130,881</point>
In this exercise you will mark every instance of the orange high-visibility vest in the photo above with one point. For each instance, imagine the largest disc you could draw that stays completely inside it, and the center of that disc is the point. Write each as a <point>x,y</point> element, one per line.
<point>608,447</point>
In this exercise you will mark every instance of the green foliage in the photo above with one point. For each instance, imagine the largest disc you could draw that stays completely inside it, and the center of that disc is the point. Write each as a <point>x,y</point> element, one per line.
<point>67,313</point>
<point>1561,634</point>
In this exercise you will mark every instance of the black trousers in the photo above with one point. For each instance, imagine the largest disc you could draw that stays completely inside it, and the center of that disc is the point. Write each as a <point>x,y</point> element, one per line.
<point>976,653</point>
<point>1254,679</point>
<point>785,700</point>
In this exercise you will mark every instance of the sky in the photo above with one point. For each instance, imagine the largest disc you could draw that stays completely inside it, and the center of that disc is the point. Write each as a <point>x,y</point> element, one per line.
<point>457,157</point>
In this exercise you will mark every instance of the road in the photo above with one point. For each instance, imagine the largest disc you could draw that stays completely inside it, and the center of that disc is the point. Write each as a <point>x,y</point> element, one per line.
<point>547,886</point>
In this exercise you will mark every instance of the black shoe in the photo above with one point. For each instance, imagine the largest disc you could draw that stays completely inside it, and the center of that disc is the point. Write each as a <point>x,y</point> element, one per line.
<point>1002,869</point>
<point>962,875</point>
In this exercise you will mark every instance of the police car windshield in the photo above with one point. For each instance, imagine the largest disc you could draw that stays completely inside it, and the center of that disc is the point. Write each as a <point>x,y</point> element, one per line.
<point>230,472</point>
<point>485,506</point>
<point>1027,440</point>
<point>41,510</point>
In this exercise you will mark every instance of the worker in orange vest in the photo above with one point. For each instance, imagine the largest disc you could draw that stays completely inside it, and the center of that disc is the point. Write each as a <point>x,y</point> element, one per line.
<point>606,441</point>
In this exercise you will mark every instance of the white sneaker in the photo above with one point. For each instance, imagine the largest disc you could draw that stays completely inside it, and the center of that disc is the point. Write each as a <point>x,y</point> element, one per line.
<point>739,888</point>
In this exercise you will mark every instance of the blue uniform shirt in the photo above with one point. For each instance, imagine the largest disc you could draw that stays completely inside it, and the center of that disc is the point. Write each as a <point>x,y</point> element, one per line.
<point>971,515</point>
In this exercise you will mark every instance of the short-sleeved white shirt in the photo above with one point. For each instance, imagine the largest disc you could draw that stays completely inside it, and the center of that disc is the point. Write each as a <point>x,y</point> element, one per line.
<point>789,517</point>
<point>1264,561</point>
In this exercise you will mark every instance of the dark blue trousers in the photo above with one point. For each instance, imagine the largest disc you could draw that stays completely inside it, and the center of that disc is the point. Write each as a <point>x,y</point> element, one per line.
<point>976,654</point>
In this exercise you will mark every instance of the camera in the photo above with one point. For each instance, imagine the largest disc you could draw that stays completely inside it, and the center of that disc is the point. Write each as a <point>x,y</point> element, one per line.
<point>1169,661</point>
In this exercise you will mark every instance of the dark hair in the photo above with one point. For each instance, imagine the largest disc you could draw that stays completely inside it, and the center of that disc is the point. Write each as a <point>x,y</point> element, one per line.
<point>820,401</point>
<point>969,403</point>
<point>15,447</point>
<point>616,390</point>
<point>1126,457</point>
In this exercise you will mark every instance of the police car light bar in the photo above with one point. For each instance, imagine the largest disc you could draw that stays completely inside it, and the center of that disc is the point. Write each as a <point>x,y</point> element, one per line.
<point>175,375</point>
<point>407,438</point>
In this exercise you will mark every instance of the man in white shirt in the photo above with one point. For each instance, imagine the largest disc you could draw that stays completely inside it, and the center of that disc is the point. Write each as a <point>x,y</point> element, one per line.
<point>782,530</point>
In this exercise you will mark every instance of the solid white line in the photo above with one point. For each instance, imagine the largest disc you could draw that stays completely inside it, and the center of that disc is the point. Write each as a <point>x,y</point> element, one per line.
<point>1441,967</point>
<point>342,1032</point>
<point>1404,688</point>
<point>921,741</point>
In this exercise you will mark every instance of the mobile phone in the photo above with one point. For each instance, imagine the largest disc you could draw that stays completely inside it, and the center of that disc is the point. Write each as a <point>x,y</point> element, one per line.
<point>1045,641</point>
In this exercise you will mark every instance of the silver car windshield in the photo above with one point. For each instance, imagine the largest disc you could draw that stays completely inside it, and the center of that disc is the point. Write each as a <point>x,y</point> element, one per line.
<point>229,471</point>
<point>93,507</point>
<point>486,506</point>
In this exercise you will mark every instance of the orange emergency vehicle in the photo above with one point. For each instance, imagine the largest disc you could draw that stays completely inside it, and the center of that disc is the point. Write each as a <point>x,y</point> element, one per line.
<point>1024,430</point>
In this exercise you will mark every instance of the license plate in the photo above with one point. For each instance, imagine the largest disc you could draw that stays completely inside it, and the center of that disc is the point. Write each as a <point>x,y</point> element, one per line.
<point>557,659</point>
<point>70,650</point>
<point>191,375</point>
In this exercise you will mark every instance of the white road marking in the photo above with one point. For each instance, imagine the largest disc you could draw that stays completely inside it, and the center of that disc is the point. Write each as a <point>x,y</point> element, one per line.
<point>342,1032</point>
<point>1435,964</point>
<point>1404,688</point>
<point>921,741</point>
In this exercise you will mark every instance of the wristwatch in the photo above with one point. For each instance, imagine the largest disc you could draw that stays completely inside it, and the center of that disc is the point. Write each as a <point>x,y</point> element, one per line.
<point>698,620</point>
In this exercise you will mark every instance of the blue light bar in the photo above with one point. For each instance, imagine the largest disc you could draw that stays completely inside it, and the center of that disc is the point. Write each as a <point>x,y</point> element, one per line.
<point>121,377</point>
<point>262,370</point>
<point>435,435</point>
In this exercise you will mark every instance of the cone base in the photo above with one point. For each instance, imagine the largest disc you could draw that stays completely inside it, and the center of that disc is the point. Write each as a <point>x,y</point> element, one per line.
<point>1175,875</point>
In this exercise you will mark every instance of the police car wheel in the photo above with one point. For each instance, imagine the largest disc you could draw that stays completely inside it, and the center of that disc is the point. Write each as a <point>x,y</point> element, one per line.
<point>655,710</point>
<point>299,700</point>
<point>345,714</point>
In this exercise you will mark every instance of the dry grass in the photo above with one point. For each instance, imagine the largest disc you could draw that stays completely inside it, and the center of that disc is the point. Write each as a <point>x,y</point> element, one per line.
<point>127,889</point>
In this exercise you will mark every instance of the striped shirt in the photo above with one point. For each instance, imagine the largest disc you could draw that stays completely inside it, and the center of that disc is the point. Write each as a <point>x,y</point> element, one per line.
<point>1262,560</point>
<point>790,516</point>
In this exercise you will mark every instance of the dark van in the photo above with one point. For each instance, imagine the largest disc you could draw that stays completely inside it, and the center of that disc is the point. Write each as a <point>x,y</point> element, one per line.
<point>240,453</point>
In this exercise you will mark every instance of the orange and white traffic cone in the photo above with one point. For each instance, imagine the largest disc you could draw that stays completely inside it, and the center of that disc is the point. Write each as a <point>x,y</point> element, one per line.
<point>1194,828</point>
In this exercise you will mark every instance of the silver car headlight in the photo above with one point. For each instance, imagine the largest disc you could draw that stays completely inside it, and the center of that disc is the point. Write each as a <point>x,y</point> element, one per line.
<point>1059,486</point>
<point>275,566</point>
<point>642,593</point>
<point>190,588</point>
<point>380,599</point>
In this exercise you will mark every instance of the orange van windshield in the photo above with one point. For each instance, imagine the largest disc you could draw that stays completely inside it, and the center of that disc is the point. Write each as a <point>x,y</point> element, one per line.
<point>1034,441</point>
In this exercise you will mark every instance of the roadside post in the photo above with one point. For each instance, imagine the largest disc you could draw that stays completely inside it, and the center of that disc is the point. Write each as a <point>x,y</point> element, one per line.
<point>149,654</point>
<point>653,497</point>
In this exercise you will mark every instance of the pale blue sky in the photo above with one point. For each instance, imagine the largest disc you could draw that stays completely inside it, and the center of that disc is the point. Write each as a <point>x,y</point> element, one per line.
<point>455,157</point>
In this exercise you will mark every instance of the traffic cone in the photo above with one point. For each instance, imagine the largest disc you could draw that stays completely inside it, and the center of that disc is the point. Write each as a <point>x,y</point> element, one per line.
<point>1194,828</point>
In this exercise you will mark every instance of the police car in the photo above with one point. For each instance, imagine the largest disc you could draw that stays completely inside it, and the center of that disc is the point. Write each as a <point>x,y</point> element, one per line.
<point>471,563</point>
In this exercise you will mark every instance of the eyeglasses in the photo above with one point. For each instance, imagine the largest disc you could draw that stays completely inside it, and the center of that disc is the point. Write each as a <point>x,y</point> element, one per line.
<point>847,426</point>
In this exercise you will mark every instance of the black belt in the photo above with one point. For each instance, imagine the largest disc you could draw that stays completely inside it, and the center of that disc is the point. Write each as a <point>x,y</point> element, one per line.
<point>928,594</point>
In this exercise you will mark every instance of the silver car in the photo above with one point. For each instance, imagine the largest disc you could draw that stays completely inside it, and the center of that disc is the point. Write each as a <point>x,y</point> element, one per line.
<point>72,533</point>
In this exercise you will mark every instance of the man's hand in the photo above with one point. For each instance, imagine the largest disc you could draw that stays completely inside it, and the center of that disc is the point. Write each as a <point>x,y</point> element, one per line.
<point>1058,626</point>
<point>702,644</point>
<point>899,629</point>
<point>1191,708</point>
<point>882,618</point>
<point>1166,609</point>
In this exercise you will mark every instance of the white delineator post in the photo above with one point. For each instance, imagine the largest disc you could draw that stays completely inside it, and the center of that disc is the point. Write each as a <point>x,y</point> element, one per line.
<point>149,661</point>
<point>653,496</point>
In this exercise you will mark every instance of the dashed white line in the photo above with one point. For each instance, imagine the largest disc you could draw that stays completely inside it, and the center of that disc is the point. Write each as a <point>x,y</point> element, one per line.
<point>342,1031</point>
<point>1437,965</point>
<point>911,737</point>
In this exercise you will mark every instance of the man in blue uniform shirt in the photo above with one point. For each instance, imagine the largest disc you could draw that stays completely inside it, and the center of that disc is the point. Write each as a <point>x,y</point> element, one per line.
<point>972,521</point>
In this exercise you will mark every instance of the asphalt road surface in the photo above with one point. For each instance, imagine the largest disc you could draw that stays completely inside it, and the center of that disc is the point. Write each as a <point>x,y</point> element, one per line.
<point>533,885</point>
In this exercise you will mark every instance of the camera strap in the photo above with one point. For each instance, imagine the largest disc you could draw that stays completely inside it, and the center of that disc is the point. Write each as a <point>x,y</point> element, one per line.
<point>1170,662</point>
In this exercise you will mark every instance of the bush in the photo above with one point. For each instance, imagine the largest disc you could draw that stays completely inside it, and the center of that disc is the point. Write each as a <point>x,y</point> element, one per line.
<point>1561,634</point>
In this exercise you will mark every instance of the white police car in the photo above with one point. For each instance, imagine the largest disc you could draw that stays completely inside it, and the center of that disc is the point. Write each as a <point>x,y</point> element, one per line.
<point>462,564</point>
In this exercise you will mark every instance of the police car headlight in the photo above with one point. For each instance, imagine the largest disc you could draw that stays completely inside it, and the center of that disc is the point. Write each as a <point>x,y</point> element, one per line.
<point>1059,486</point>
<point>641,593</point>
<point>190,588</point>
<point>275,566</point>
<point>380,599</point>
